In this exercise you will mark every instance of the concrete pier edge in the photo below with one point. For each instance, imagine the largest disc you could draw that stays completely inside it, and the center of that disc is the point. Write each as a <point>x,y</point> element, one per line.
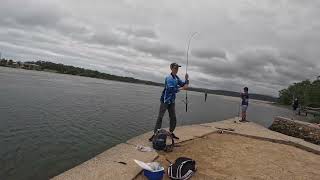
<point>117,162</point>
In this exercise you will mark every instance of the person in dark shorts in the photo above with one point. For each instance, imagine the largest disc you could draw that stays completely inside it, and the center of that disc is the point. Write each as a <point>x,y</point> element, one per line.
<point>167,101</point>
<point>295,106</point>
<point>244,104</point>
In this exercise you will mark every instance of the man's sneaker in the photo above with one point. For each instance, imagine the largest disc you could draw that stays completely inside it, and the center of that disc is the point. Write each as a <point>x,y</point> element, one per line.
<point>243,120</point>
<point>151,138</point>
<point>174,136</point>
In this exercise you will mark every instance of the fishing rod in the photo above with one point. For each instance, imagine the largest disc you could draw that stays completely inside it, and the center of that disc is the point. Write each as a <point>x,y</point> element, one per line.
<point>186,101</point>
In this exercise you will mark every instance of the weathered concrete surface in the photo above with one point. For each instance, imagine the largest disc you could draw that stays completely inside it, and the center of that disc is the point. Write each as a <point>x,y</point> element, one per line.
<point>106,166</point>
<point>247,129</point>
<point>253,130</point>
<point>141,140</point>
<point>185,133</point>
<point>232,156</point>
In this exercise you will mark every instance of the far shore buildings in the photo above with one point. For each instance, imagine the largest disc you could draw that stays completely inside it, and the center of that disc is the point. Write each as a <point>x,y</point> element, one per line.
<point>31,66</point>
<point>19,64</point>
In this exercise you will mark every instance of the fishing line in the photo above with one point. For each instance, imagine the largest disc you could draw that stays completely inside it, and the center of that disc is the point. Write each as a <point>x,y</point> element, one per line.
<point>186,99</point>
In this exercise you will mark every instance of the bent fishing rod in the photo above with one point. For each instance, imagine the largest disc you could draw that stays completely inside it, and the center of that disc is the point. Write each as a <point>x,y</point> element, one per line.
<point>186,101</point>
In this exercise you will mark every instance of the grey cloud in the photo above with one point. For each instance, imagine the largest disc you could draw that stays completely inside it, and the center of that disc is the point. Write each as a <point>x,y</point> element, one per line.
<point>73,26</point>
<point>258,57</point>
<point>107,38</point>
<point>17,35</point>
<point>156,48</point>
<point>263,66</point>
<point>41,16</point>
<point>298,58</point>
<point>142,32</point>
<point>266,44</point>
<point>30,13</point>
<point>209,53</point>
<point>114,38</point>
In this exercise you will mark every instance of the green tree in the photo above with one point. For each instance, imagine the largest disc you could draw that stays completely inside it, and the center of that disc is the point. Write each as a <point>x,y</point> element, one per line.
<point>306,91</point>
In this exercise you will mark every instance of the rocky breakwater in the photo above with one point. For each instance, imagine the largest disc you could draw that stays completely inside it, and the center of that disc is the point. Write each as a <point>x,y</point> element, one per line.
<point>306,131</point>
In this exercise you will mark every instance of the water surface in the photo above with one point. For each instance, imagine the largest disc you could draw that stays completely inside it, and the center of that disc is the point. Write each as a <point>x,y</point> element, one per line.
<point>51,122</point>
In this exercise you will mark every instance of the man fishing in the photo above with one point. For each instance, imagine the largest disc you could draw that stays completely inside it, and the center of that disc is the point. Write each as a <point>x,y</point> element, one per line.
<point>167,101</point>
<point>244,104</point>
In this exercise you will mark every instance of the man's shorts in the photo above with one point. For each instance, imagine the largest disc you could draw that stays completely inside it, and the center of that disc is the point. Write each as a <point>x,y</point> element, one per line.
<point>244,108</point>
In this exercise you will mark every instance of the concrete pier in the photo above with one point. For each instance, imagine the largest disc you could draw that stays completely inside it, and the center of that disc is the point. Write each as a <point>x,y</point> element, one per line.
<point>117,162</point>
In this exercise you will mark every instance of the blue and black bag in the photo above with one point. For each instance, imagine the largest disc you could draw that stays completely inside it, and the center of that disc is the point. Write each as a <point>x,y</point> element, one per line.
<point>159,141</point>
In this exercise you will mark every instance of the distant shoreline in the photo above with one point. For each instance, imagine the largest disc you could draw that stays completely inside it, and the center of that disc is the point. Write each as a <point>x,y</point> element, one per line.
<point>76,71</point>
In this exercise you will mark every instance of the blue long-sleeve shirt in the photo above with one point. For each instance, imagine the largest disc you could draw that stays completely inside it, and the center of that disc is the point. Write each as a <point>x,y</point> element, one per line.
<point>172,85</point>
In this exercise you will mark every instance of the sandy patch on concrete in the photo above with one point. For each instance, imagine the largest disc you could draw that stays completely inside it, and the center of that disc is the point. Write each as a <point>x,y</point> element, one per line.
<point>226,156</point>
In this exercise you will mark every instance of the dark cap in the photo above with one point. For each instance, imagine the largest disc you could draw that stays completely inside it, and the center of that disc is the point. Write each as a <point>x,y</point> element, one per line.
<point>174,65</point>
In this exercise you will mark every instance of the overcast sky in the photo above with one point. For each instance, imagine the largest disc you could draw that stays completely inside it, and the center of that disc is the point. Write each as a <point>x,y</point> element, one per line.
<point>265,45</point>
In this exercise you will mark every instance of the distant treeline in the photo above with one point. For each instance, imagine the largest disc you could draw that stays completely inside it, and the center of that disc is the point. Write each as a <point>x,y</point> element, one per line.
<point>306,91</point>
<point>66,69</point>
<point>96,74</point>
<point>236,94</point>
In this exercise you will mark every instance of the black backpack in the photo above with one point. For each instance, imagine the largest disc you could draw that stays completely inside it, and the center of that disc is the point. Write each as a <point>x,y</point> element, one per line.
<point>183,168</point>
<point>159,141</point>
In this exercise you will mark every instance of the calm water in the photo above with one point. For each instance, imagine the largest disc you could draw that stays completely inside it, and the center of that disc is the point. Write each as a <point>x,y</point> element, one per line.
<point>52,122</point>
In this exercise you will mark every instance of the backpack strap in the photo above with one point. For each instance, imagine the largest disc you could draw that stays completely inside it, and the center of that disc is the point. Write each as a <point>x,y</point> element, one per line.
<point>178,171</point>
<point>169,148</point>
<point>189,173</point>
